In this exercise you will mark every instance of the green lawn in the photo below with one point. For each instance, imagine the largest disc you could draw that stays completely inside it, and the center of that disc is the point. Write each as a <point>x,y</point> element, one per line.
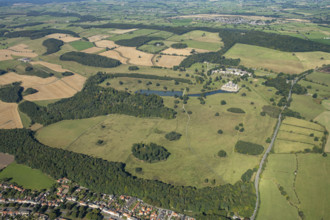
<point>81,45</point>
<point>193,157</point>
<point>26,121</point>
<point>27,177</point>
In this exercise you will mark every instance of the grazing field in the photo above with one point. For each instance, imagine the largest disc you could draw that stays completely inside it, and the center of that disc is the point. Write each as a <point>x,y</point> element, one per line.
<point>295,136</point>
<point>27,177</point>
<point>193,158</point>
<point>81,45</point>
<point>306,106</point>
<point>9,116</point>
<point>135,56</point>
<point>311,60</point>
<point>279,170</point>
<point>168,60</point>
<point>132,34</point>
<point>93,50</point>
<point>63,37</point>
<point>260,57</point>
<point>106,44</point>
<point>312,185</point>
<point>114,55</point>
<point>318,83</point>
<point>5,160</point>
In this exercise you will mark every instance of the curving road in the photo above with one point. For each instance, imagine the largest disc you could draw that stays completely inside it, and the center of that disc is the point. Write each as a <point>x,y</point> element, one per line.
<point>256,181</point>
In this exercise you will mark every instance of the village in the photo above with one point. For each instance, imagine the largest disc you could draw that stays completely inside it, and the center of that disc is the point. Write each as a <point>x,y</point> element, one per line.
<point>67,200</point>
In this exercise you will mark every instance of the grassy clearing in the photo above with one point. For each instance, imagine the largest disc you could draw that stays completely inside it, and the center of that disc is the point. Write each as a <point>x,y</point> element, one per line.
<point>46,102</point>
<point>306,106</point>
<point>312,185</point>
<point>279,171</point>
<point>26,121</point>
<point>81,45</point>
<point>27,177</point>
<point>193,157</point>
<point>310,60</point>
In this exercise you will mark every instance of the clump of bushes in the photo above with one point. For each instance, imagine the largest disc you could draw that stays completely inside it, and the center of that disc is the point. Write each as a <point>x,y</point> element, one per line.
<point>150,152</point>
<point>179,45</point>
<point>248,148</point>
<point>173,136</point>
<point>30,91</point>
<point>236,110</point>
<point>246,177</point>
<point>67,73</point>
<point>132,68</point>
<point>222,153</point>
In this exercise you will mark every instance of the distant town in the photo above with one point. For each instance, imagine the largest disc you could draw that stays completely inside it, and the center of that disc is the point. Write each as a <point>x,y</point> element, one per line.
<point>68,200</point>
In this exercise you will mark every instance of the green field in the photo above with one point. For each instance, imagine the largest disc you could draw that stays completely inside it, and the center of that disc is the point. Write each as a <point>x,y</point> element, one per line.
<point>279,171</point>
<point>294,136</point>
<point>306,106</point>
<point>27,177</point>
<point>81,45</point>
<point>277,61</point>
<point>193,158</point>
<point>324,119</point>
<point>312,185</point>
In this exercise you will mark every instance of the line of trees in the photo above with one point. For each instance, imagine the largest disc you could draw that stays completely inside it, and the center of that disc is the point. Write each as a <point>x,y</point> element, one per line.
<point>95,100</point>
<point>52,45</point>
<point>147,76</point>
<point>36,34</point>
<point>90,59</point>
<point>112,178</point>
<point>137,41</point>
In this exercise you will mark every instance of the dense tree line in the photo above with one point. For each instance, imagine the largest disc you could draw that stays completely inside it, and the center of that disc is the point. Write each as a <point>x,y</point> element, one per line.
<point>11,93</point>
<point>150,152</point>
<point>90,59</point>
<point>95,100</point>
<point>27,25</point>
<point>137,41</point>
<point>179,45</point>
<point>35,34</point>
<point>249,148</point>
<point>110,177</point>
<point>212,57</point>
<point>82,18</point>
<point>147,76</point>
<point>52,45</point>
<point>2,72</point>
<point>246,177</point>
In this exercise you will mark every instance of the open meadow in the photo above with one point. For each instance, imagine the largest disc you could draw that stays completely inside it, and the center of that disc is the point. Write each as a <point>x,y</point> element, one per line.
<point>275,60</point>
<point>324,119</point>
<point>27,177</point>
<point>193,158</point>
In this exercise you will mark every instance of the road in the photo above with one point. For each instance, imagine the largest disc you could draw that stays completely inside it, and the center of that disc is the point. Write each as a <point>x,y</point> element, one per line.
<point>256,181</point>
